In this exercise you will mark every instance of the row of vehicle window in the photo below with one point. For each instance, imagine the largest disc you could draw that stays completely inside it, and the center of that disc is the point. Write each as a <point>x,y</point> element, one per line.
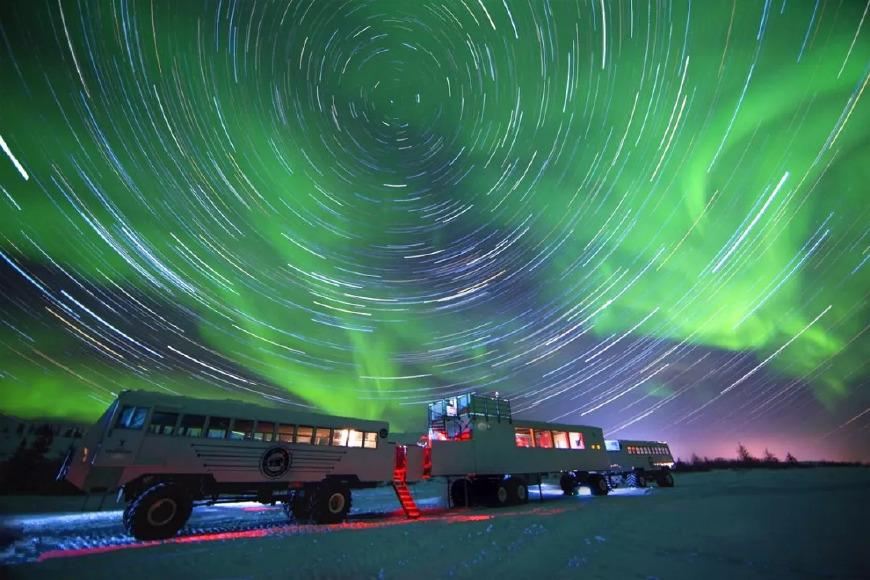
<point>548,439</point>
<point>184,425</point>
<point>647,449</point>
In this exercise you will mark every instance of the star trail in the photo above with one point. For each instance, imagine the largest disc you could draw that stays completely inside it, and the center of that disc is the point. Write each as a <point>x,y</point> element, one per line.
<point>648,216</point>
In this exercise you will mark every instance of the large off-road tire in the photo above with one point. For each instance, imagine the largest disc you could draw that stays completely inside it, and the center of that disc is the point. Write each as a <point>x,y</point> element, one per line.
<point>568,483</point>
<point>125,519</point>
<point>298,506</point>
<point>158,512</point>
<point>331,503</point>
<point>665,479</point>
<point>462,493</point>
<point>502,493</point>
<point>519,490</point>
<point>598,484</point>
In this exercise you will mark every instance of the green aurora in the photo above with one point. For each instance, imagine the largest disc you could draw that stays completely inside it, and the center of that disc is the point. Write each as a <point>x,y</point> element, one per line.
<point>363,205</point>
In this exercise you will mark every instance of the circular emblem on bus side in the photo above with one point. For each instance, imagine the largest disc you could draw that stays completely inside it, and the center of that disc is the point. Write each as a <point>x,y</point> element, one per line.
<point>276,462</point>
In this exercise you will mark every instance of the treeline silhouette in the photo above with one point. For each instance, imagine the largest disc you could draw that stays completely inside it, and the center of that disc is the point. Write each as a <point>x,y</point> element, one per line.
<point>30,471</point>
<point>745,460</point>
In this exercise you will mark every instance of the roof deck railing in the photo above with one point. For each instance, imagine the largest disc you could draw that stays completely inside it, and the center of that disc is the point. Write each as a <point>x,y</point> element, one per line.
<point>470,405</point>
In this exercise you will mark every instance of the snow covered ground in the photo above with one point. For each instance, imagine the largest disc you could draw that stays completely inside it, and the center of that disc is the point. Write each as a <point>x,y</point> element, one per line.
<point>804,523</point>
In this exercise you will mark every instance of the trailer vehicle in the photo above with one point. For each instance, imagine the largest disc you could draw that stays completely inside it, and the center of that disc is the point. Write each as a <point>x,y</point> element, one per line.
<point>165,453</point>
<point>637,462</point>
<point>492,457</point>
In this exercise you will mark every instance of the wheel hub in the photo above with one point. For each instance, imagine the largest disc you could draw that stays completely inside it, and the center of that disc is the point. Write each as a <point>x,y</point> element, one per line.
<point>336,503</point>
<point>162,512</point>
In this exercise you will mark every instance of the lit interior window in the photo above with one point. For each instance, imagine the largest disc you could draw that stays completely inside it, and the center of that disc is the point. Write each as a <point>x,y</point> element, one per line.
<point>266,431</point>
<point>544,439</point>
<point>355,438</point>
<point>523,437</point>
<point>560,439</point>
<point>322,436</point>
<point>339,438</point>
<point>285,433</point>
<point>576,440</point>
<point>304,434</point>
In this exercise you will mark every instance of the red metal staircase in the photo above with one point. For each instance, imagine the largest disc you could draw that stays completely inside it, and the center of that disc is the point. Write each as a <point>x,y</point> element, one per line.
<point>400,470</point>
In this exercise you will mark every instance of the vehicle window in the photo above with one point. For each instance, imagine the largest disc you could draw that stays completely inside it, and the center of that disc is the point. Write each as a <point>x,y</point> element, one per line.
<point>162,423</point>
<point>339,437</point>
<point>218,427</point>
<point>191,425</point>
<point>242,429</point>
<point>303,434</point>
<point>322,436</point>
<point>132,417</point>
<point>285,433</point>
<point>370,441</point>
<point>523,437</point>
<point>543,439</point>
<point>355,438</point>
<point>265,431</point>
<point>576,440</point>
<point>560,439</point>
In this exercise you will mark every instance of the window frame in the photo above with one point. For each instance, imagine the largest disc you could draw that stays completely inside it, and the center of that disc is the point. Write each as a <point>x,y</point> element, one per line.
<point>277,431</point>
<point>257,431</point>
<point>336,433</point>
<point>528,432</point>
<point>200,426</point>
<point>318,433</point>
<point>350,436</point>
<point>544,433</point>
<point>555,435</point>
<point>249,436</point>
<point>133,410</point>
<point>208,427</point>
<point>172,428</point>
<point>310,435</point>
<point>572,446</point>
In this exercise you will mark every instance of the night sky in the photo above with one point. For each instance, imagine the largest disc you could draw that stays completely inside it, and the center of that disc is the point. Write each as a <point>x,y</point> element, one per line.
<point>647,216</point>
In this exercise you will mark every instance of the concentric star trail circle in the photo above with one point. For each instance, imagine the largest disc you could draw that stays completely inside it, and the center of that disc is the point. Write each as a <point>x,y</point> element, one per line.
<point>646,216</point>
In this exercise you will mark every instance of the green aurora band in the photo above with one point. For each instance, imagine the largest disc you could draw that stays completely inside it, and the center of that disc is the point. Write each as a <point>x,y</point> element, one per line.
<point>286,179</point>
